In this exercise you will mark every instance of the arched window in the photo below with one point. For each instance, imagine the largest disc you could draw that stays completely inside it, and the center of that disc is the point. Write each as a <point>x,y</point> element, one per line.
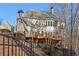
<point>62,25</point>
<point>55,23</point>
<point>51,23</point>
<point>48,23</point>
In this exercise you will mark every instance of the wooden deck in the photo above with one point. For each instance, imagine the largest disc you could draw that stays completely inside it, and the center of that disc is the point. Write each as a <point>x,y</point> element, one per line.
<point>45,39</point>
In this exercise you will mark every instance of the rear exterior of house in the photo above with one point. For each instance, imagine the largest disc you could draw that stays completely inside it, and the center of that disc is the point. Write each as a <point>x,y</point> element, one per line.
<point>38,21</point>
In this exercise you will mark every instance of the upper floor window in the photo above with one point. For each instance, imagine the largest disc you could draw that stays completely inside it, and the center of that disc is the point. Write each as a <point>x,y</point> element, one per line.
<point>48,23</point>
<point>62,25</point>
<point>55,23</point>
<point>51,23</point>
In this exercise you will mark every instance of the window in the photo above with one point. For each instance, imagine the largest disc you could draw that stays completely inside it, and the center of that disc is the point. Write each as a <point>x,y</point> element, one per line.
<point>62,26</point>
<point>48,23</point>
<point>51,23</point>
<point>55,23</point>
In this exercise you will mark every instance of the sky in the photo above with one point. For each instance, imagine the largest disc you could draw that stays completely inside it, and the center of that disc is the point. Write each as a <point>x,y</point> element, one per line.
<point>8,11</point>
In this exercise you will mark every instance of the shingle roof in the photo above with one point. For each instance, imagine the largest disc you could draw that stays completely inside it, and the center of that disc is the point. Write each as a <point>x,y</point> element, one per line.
<point>33,13</point>
<point>39,14</point>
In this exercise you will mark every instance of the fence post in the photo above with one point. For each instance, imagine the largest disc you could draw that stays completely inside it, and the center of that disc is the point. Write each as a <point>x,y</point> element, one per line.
<point>8,46</point>
<point>16,49</point>
<point>3,46</point>
<point>12,47</point>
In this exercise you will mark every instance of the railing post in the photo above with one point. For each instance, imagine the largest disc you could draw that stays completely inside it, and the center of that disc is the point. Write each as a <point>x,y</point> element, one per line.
<point>3,46</point>
<point>16,49</point>
<point>8,46</point>
<point>21,49</point>
<point>12,47</point>
<point>24,45</point>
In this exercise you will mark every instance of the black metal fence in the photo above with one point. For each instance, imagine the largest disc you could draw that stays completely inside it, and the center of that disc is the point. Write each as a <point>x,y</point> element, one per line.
<point>11,45</point>
<point>14,46</point>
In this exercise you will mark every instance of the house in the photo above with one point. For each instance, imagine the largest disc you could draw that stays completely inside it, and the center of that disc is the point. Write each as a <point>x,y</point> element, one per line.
<point>37,21</point>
